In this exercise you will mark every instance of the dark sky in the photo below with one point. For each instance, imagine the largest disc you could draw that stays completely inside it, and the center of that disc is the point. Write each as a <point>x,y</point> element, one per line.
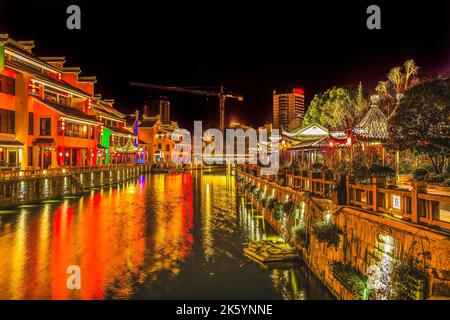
<point>251,47</point>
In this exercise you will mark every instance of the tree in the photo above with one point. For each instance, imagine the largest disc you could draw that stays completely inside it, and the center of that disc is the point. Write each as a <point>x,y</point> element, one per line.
<point>400,79</point>
<point>421,122</point>
<point>337,108</point>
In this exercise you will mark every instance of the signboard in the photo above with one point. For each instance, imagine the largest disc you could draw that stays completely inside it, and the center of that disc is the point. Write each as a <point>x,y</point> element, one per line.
<point>396,204</point>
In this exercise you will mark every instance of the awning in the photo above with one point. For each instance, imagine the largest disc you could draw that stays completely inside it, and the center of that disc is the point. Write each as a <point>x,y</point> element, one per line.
<point>120,130</point>
<point>129,147</point>
<point>44,141</point>
<point>4,142</point>
<point>69,112</point>
<point>100,146</point>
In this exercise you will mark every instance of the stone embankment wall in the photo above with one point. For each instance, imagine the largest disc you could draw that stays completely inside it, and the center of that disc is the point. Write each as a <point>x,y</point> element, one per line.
<point>398,259</point>
<point>32,189</point>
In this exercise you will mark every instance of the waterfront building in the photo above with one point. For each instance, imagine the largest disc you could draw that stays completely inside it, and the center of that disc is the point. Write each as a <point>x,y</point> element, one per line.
<point>47,114</point>
<point>155,140</point>
<point>288,108</point>
<point>117,141</point>
<point>312,143</point>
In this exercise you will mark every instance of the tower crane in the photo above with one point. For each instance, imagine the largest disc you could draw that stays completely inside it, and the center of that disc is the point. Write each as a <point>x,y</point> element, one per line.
<point>222,95</point>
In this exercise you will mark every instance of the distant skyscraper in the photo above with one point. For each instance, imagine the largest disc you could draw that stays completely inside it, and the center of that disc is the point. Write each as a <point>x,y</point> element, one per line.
<point>160,106</point>
<point>288,107</point>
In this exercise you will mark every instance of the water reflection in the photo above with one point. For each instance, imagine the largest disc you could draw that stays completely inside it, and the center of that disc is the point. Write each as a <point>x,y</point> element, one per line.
<point>162,236</point>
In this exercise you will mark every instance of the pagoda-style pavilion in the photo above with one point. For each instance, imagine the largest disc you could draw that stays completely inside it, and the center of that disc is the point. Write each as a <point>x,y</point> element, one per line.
<point>372,132</point>
<point>312,143</point>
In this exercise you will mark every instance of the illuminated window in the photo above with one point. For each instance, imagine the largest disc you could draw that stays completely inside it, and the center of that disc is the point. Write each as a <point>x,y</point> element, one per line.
<point>7,85</point>
<point>45,126</point>
<point>7,121</point>
<point>30,123</point>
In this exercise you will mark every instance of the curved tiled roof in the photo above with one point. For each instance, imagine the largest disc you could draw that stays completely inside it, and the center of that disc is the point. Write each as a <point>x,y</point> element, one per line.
<point>373,126</point>
<point>148,122</point>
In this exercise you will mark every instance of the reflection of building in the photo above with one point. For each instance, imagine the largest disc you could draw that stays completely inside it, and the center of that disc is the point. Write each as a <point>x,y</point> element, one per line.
<point>288,107</point>
<point>47,118</point>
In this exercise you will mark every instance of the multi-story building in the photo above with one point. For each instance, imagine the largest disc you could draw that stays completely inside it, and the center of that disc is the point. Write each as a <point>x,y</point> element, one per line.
<point>288,107</point>
<point>159,106</point>
<point>117,141</point>
<point>47,118</point>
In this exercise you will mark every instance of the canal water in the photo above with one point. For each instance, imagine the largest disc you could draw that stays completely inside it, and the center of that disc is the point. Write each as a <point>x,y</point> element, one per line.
<point>157,237</point>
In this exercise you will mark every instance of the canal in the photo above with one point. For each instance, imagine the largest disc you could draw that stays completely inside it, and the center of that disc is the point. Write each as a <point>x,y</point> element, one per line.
<point>156,237</point>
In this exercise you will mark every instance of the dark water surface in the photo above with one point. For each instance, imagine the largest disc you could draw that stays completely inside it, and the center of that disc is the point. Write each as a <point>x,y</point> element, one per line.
<point>158,237</point>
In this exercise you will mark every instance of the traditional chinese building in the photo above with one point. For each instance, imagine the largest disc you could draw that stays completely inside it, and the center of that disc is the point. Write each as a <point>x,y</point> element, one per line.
<point>372,132</point>
<point>311,144</point>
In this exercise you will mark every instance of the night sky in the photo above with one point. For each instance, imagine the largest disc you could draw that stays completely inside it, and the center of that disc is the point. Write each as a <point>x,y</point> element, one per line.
<point>250,47</point>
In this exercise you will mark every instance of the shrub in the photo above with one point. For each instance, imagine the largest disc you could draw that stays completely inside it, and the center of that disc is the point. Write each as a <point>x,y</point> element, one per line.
<point>420,173</point>
<point>269,203</point>
<point>382,171</point>
<point>302,235</point>
<point>342,168</point>
<point>278,212</point>
<point>446,183</point>
<point>354,280</point>
<point>287,206</point>
<point>257,193</point>
<point>317,167</point>
<point>404,167</point>
<point>361,173</point>
<point>327,232</point>
<point>435,178</point>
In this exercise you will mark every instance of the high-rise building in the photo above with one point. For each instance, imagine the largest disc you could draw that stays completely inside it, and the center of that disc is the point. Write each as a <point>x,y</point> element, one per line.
<point>288,107</point>
<point>159,106</point>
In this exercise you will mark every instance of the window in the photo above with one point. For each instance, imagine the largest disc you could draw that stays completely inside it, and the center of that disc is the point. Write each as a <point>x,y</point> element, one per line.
<point>30,123</point>
<point>159,146</point>
<point>64,100</point>
<point>167,147</point>
<point>7,121</point>
<point>7,85</point>
<point>30,156</point>
<point>50,96</point>
<point>45,127</point>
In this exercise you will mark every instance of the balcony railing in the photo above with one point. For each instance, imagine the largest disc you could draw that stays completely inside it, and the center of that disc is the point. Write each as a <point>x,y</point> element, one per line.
<point>23,174</point>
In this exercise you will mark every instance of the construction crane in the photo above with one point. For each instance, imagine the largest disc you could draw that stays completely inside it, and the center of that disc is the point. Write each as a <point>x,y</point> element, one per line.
<point>221,94</point>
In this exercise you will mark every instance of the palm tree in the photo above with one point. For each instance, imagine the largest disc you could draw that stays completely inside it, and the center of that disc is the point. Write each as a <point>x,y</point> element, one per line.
<point>411,71</point>
<point>396,77</point>
<point>382,89</point>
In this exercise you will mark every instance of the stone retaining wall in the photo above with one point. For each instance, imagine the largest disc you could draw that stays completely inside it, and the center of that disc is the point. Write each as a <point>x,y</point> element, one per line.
<point>376,245</point>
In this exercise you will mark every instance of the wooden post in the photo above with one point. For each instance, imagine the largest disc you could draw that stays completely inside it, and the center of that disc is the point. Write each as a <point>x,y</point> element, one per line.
<point>374,194</point>
<point>417,186</point>
<point>397,165</point>
<point>347,189</point>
